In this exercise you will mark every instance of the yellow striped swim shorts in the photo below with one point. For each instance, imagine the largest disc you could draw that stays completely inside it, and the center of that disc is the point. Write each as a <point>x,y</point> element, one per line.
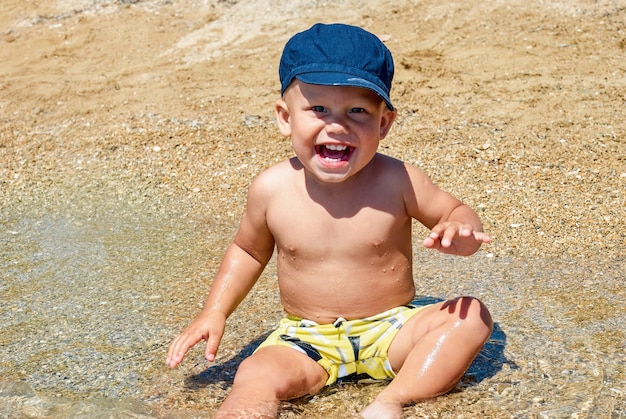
<point>349,350</point>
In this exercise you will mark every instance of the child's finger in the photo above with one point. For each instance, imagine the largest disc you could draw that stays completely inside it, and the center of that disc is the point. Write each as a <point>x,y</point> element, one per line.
<point>482,237</point>
<point>466,230</point>
<point>212,345</point>
<point>176,352</point>
<point>451,233</point>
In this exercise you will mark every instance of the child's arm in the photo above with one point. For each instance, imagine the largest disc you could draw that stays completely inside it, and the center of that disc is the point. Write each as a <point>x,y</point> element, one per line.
<point>455,227</point>
<point>236,276</point>
<point>241,266</point>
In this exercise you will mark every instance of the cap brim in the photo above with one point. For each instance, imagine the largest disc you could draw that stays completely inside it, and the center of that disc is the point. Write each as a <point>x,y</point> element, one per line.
<point>329,78</point>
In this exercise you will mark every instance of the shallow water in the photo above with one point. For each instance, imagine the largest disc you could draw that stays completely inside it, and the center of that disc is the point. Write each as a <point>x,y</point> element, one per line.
<point>81,304</point>
<point>90,300</point>
<point>98,274</point>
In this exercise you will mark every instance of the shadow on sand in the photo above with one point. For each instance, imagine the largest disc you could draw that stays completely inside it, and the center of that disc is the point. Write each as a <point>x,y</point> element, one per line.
<point>488,362</point>
<point>224,372</point>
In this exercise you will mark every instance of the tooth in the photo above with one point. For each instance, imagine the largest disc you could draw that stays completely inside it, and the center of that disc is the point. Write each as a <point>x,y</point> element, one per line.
<point>336,147</point>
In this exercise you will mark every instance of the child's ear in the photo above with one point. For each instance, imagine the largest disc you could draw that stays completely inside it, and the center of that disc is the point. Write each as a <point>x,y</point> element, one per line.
<point>282,117</point>
<point>387,121</point>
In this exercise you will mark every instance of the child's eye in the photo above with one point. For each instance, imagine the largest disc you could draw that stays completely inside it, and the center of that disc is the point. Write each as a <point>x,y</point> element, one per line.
<point>318,109</point>
<point>357,110</point>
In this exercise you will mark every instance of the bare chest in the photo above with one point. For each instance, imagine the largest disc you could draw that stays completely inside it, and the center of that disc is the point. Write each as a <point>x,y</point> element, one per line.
<point>313,232</point>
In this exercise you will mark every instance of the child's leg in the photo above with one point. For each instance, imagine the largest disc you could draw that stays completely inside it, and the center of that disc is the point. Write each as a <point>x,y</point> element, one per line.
<point>431,353</point>
<point>271,374</point>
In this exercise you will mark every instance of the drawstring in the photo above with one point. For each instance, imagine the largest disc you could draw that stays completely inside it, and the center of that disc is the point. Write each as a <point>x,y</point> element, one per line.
<point>338,323</point>
<point>308,323</point>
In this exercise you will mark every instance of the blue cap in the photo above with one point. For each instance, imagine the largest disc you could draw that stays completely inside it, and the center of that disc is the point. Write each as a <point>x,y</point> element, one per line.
<point>338,55</point>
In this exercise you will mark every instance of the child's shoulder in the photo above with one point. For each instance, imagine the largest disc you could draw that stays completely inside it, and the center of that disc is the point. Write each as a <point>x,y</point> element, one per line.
<point>395,167</point>
<point>272,178</point>
<point>388,161</point>
<point>278,171</point>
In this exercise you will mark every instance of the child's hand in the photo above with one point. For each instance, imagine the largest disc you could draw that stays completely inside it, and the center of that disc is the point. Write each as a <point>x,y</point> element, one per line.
<point>455,238</point>
<point>204,327</point>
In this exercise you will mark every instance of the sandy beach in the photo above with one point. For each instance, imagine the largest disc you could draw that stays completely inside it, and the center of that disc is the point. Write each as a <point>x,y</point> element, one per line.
<point>129,131</point>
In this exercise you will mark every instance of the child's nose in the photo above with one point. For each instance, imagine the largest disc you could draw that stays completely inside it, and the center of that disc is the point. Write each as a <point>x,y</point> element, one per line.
<point>337,125</point>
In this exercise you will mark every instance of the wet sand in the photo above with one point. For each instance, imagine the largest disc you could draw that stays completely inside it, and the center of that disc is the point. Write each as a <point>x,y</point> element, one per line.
<point>130,130</point>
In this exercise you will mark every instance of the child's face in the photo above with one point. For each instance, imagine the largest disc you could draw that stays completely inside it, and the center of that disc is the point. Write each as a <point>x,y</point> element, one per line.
<point>334,130</point>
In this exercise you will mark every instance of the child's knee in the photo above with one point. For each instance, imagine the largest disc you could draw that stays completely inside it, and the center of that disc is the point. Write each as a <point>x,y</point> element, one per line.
<point>276,373</point>
<point>475,315</point>
<point>483,313</point>
<point>471,311</point>
<point>257,377</point>
<point>252,369</point>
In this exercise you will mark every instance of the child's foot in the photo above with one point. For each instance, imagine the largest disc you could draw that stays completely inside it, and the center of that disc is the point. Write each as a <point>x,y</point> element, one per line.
<point>382,410</point>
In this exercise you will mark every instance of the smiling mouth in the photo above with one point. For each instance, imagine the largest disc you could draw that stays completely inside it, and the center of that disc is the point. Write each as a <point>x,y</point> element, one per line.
<point>334,152</point>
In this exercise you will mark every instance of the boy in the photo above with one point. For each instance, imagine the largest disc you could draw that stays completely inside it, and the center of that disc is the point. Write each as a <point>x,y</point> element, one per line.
<point>339,215</point>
